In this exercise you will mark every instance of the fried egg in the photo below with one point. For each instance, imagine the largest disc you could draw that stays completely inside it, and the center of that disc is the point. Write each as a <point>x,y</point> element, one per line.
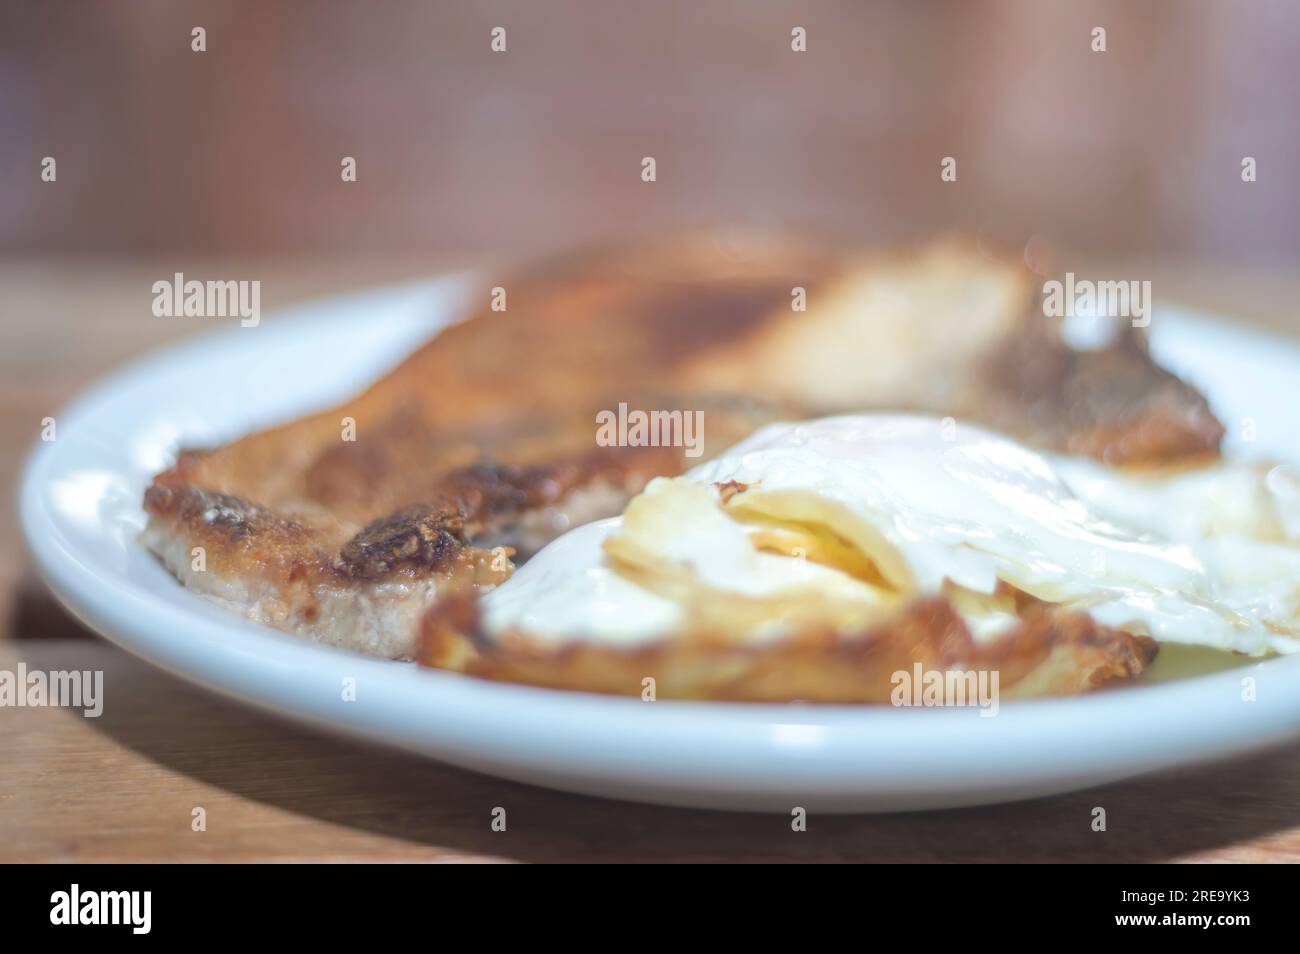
<point>841,522</point>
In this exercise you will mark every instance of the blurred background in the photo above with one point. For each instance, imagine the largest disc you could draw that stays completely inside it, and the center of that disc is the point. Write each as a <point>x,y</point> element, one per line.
<point>1135,151</point>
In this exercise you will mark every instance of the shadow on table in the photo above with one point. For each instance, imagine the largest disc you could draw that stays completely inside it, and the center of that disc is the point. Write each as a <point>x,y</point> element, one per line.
<point>390,793</point>
<point>34,613</point>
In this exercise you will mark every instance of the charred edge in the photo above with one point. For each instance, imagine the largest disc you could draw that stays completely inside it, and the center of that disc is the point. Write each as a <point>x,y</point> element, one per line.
<point>1046,627</point>
<point>730,488</point>
<point>237,517</point>
<point>425,536</point>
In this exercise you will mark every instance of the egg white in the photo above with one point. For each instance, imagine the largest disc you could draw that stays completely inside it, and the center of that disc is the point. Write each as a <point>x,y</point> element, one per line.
<point>1206,558</point>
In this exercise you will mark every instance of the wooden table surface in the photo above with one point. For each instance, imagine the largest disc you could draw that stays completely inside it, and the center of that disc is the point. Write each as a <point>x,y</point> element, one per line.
<point>123,787</point>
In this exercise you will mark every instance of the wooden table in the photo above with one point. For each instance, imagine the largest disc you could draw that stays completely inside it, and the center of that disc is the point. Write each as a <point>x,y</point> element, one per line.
<point>123,787</point>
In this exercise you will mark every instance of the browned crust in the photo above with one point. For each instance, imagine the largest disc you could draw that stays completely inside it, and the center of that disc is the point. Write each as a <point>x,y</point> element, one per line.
<point>1114,404</point>
<point>233,531</point>
<point>240,539</point>
<point>1052,652</point>
<point>490,494</point>
<point>425,537</point>
<point>467,505</point>
<point>458,509</point>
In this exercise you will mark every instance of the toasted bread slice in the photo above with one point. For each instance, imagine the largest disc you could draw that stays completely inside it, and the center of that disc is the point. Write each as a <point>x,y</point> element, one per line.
<point>482,445</point>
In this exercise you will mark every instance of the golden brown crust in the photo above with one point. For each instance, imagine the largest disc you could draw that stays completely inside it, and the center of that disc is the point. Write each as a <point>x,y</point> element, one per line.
<point>240,539</point>
<point>231,530</point>
<point>1052,652</point>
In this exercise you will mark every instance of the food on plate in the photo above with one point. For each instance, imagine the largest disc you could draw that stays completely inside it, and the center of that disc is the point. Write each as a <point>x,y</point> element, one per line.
<point>481,448</point>
<point>816,560</point>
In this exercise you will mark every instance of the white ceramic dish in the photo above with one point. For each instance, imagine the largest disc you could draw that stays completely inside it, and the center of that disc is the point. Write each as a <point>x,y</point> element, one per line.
<point>81,513</point>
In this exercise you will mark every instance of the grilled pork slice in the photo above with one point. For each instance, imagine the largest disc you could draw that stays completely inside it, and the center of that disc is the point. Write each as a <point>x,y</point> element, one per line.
<point>325,561</point>
<point>482,446</point>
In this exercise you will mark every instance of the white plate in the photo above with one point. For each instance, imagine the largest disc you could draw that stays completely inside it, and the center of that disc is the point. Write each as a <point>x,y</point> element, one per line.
<point>81,515</point>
